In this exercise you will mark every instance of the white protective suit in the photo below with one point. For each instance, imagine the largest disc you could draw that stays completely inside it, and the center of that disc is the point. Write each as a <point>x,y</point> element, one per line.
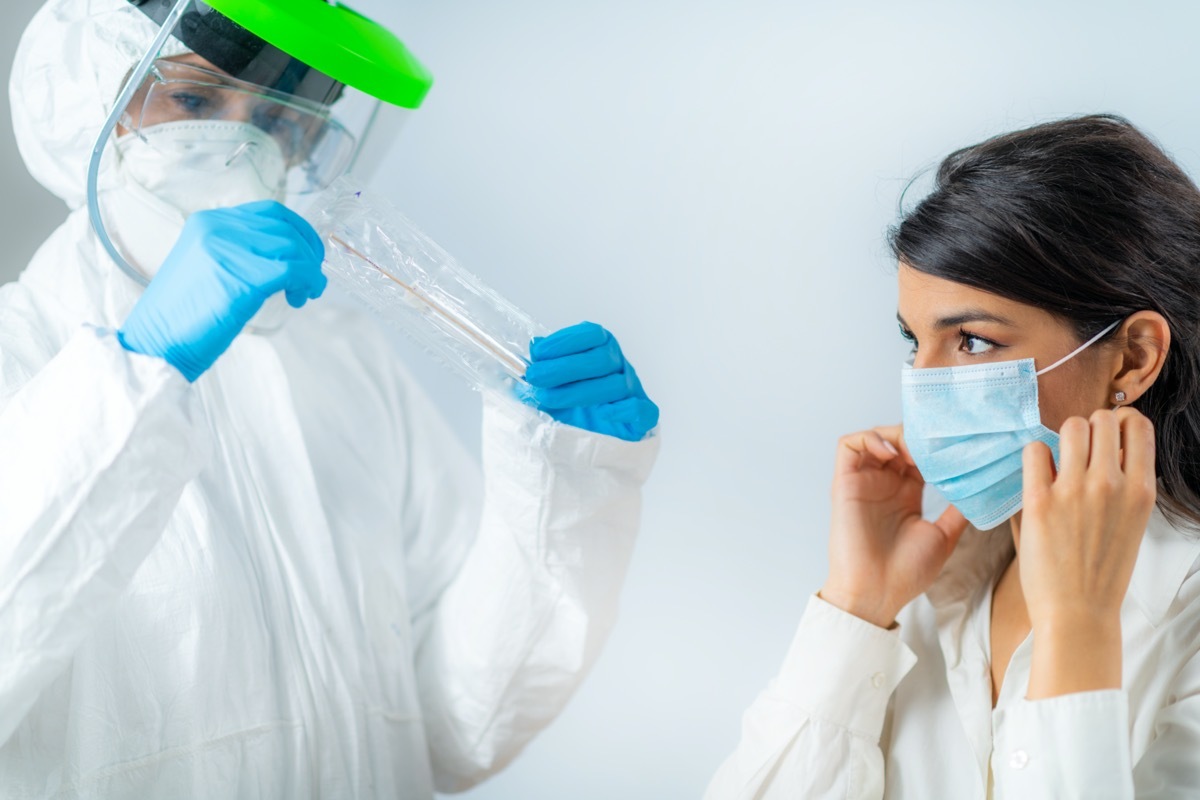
<point>285,580</point>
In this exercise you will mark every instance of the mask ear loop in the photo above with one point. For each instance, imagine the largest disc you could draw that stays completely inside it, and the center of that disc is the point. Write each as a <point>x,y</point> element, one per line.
<point>1079,349</point>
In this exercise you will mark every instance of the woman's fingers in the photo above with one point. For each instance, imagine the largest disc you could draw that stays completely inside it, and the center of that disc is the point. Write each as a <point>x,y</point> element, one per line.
<point>894,435</point>
<point>1074,443</point>
<point>1137,440</point>
<point>1104,456</point>
<point>1109,450</point>
<point>865,449</point>
<point>1037,468</point>
<point>952,524</point>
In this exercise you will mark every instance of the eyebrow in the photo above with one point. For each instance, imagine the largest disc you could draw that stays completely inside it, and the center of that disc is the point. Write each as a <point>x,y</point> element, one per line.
<point>962,318</point>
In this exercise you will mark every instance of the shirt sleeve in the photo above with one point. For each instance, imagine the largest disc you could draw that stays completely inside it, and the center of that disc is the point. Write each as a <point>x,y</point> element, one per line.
<point>1170,767</point>
<point>96,446</point>
<point>814,732</point>
<point>522,620</point>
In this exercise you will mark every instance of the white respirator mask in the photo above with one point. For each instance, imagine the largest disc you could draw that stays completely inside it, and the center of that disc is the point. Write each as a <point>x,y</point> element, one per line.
<point>168,172</point>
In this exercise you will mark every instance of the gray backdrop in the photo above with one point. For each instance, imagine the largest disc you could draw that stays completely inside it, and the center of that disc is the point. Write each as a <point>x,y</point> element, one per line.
<point>712,181</point>
<point>27,211</point>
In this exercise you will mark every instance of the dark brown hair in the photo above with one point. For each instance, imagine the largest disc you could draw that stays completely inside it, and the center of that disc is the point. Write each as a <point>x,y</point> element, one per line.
<point>1089,219</point>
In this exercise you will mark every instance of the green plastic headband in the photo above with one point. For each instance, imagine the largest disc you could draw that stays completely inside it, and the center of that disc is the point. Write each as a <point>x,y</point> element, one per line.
<point>337,41</point>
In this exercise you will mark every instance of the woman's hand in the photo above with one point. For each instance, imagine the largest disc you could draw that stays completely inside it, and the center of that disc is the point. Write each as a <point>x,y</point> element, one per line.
<point>1077,543</point>
<point>882,553</point>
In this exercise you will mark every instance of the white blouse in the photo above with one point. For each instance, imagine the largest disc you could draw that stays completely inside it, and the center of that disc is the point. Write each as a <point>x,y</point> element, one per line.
<point>862,713</point>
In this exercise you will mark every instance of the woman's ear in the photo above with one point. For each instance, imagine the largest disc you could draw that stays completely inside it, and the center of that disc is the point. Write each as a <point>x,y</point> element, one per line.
<point>1147,339</point>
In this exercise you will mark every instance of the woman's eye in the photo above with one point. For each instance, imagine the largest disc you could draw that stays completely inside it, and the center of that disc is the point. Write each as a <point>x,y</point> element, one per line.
<point>907,336</point>
<point>189,102</point>
<point>973,345</point>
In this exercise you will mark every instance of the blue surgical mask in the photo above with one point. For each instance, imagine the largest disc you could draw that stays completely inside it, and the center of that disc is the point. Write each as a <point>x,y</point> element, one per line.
<point>966,427</point>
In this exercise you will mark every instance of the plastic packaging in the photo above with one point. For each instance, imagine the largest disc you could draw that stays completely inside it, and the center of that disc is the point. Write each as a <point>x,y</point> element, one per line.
<point>381,258</point>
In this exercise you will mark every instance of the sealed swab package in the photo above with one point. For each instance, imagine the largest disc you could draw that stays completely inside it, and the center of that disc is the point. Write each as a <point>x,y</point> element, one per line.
<point>380,257</point>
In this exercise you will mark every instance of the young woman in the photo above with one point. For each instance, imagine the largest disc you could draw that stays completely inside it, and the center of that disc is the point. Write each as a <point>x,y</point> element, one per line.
<point>1040,638</point>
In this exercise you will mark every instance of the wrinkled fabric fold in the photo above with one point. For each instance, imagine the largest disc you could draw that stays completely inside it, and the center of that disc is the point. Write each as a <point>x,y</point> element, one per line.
<point>82,499</point>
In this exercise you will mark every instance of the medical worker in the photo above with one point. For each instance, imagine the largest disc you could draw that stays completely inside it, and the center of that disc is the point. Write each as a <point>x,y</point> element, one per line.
<point>1040,639</point>
<point>245,565</point>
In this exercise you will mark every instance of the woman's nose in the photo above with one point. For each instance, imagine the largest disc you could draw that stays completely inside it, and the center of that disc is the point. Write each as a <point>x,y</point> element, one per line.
<point>241,109</point>
<point>927,361</point>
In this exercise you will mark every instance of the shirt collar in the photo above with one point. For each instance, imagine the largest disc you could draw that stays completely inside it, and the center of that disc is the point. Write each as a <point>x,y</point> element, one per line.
<point>1165,560</point>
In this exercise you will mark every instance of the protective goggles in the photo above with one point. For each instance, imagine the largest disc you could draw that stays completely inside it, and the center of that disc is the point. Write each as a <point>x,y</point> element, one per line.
<point>316,148</point>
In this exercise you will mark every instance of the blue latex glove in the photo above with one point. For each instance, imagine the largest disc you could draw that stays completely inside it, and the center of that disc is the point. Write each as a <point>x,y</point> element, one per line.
<point>579,377</point>
<point>225,265</point>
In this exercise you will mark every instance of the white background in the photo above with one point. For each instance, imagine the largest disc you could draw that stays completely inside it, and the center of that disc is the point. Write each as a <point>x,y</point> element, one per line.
<point>712,181</point>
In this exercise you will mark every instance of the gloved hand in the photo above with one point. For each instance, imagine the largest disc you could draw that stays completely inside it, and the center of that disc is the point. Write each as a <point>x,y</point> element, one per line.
<point>225,265</point>
<point>579,377</point>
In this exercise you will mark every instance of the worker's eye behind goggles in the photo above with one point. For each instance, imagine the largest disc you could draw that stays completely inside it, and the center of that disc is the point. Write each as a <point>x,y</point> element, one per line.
<point>316,147</point>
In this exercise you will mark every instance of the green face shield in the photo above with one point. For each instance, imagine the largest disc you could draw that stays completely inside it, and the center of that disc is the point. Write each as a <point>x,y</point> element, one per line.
<point>243,100</point>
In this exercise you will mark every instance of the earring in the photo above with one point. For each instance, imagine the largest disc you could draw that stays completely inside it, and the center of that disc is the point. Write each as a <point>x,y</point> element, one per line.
<point>1119,397</point>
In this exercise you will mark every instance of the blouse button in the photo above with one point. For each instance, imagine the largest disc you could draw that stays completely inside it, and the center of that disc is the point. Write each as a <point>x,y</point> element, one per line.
<point>877,680</point>
<point>1019,759</point>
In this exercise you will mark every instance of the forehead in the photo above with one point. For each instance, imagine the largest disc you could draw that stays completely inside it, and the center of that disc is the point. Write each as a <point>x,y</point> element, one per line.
<point>195,60</point>
<point>923,294</point>
<point>923,298</point>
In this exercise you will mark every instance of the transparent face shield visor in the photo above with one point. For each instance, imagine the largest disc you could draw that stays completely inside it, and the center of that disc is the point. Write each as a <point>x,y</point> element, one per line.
<point>198,123</point>
<point>211,117</point>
